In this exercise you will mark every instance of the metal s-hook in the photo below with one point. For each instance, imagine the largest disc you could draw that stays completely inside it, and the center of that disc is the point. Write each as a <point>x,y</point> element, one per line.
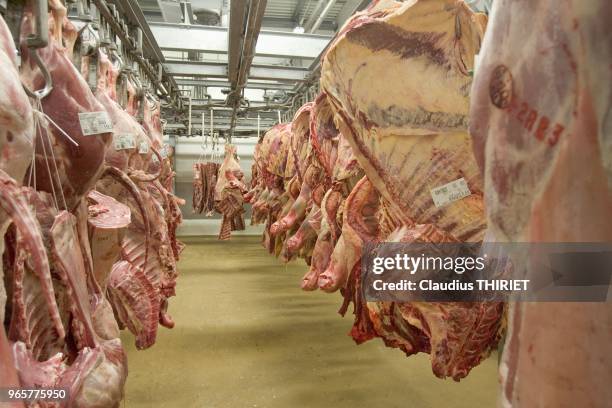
<point>40,93</point>
<point>40,39</point>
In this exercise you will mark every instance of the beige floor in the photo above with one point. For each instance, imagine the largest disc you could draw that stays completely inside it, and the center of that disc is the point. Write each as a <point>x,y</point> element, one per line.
<point>247,336</point>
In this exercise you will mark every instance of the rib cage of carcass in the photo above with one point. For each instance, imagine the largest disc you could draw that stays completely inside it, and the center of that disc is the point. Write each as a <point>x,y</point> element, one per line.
<point>92,244</point>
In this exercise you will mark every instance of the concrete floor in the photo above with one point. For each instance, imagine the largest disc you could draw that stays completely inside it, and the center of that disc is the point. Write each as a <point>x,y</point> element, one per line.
<point>247,336</point>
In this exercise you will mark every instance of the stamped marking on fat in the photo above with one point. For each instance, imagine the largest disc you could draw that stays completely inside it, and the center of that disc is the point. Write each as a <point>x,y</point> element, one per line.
<point>501,87</point>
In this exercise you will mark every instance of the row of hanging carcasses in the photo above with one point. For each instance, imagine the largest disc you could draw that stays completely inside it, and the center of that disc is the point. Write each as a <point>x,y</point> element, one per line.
<point>358,165</point>
<point>88,215</point>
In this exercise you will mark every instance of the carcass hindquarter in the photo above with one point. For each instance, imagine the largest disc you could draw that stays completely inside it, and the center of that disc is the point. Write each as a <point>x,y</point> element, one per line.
<point>78,167</point>
<point>542,134</point>
<point>16,131</point>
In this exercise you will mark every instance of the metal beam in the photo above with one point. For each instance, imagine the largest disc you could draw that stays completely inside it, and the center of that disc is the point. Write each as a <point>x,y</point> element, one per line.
<point>315,26</point>
<point>196,69</point>
<point>214,40</point>
<point>226,84</point>
<point>219,70</point>
<point>315,13</point>
<point>238,14</point>
<point>278,73</point>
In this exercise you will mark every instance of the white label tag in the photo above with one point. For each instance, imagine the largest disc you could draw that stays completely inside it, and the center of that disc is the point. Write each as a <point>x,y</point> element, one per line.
<point>164,151</point>
<point>94,123</point>
<point>453,191</point>
<point>124,141</point>
<point>143,148</point>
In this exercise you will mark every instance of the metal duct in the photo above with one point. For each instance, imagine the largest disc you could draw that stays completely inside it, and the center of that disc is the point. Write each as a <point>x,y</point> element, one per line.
<point>322,16</point>
<point>245,24</point>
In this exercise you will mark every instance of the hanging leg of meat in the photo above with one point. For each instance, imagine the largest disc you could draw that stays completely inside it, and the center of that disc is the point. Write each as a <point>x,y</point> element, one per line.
<point>305,233</point>
<point>78,167</point>
<point>320,257</point>
<point>296,213</point>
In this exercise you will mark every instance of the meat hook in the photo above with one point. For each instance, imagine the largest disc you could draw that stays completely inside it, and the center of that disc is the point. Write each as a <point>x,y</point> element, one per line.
<point>40,39</point>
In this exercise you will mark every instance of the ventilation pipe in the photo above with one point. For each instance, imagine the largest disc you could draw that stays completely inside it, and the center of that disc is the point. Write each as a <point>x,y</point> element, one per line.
<point>322,16</point>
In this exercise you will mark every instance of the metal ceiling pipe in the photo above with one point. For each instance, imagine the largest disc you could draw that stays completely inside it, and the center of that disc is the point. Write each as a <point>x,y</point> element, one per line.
<point>254,17</point>
<point>313,17</point>
<point>256,13</point>
<point>322,16</point>
<point>238,13</point>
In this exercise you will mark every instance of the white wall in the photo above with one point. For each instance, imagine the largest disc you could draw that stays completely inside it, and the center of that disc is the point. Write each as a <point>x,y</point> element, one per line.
<point>188,151</point>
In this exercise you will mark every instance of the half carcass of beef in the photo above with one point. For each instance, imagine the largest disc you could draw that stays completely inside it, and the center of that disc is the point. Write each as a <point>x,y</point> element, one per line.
<point>300,154</point>
<point>199,188</point>
<point>229,192</point>
<point>410,139</point>
<point>267,197</point>
<point>210,174</point>
<point>541,126</point>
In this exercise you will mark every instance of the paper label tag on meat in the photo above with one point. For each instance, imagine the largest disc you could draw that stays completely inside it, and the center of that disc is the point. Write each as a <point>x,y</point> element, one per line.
<point>453,191</point>
<point>124,141</point>
<point>164,151</point>
<point>94,123</point>
<point>143,148</point>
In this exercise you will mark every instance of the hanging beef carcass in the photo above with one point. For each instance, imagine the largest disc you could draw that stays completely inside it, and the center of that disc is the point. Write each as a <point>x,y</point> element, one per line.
<point>204,182</point>
<point>299,151</point>
<point>229,192</point>
<point>324,137</point>
<point>346,173</point>
<point>268,196</point>
<point>199,188</point>
<point>410,138</point>
<point>540,118</point>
